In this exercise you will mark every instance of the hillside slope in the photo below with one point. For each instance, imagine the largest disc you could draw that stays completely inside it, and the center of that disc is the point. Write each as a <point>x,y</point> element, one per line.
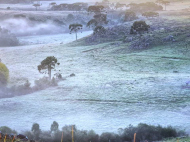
<point>110,89</point>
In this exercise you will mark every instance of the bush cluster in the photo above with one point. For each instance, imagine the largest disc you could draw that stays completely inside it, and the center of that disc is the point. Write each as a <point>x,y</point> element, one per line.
<point>26,88</point>
<point>143,7</point>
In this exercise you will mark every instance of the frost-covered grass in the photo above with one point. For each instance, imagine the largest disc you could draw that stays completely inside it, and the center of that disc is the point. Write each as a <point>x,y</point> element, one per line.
<point>110,89</point>
<point>178,140</point>
<point>113,86</point>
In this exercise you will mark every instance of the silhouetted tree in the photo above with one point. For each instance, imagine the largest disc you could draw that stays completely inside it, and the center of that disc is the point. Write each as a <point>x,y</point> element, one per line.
<point>36,6</point>
<point>48,64</point>
<point>75,28</point>
<point>54,126</point>
<point>97,21</point>
<point>36,131</point>
<point>165,3</point>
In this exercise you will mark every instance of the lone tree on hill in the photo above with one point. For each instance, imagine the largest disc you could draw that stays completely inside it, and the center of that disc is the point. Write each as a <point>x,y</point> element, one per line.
<point>75,28</point>
<point>165,3</point>
<point>36,5</point>
<point>48,64</point>
<point>139,27</point>
<point>150,14</point>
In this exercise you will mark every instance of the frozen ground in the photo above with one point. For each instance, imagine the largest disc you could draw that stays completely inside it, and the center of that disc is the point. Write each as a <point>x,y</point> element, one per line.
<point>109,91</point>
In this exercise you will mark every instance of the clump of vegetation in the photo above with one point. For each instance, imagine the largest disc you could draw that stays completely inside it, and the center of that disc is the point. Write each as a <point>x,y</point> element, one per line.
<point>149,132</point>
<point>150,14</point>
<point>130,16</point>
<point>139,27</point>
<point>80,6</point>
<point>99,19</point>
<point>37,6</point>
<point>19,16</point>
<point>97,9</point>
<point>26,88</point>
<point>44,83</point>
<point>143,7</point>
<point>47,65</point>
<point>7,39</point>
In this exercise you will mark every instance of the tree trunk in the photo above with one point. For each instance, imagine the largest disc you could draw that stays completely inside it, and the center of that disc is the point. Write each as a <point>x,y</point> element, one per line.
<point>49,71</point>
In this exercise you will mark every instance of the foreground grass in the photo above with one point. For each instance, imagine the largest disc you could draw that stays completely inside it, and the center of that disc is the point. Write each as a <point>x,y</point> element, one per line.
<point>178,140</point>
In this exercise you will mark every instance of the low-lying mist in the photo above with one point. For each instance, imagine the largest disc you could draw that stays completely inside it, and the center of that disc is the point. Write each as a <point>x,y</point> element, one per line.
<point>26,27</point>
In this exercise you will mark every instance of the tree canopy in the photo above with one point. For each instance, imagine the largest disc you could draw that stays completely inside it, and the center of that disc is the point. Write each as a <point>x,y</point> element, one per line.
<point>48,64</point>
<point>150,14</point>
<point>96,9</point>
<point>54,126</point>
<point>75,28</point>
<point>36,5</point>
<point>139,27</point>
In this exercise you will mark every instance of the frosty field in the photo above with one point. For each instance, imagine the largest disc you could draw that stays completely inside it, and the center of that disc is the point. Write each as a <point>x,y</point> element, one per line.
<point>109,91</point>
<point>112,87</point>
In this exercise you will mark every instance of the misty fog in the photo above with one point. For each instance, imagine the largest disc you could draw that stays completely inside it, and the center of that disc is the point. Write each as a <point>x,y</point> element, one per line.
<point>24,27</point>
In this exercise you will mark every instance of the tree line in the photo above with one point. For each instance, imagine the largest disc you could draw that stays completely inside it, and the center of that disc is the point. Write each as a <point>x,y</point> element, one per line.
<point>143,132</point>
